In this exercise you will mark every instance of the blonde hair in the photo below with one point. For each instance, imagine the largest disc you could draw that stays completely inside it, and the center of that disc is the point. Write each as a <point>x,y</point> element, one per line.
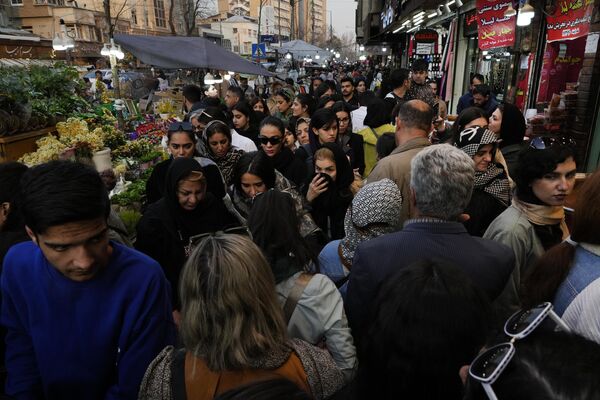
<point>230,313</point>
<point>324,154</point>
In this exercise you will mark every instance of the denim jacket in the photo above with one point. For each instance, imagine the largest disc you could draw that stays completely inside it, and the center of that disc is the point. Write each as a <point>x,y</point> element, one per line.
<point>577,300</point>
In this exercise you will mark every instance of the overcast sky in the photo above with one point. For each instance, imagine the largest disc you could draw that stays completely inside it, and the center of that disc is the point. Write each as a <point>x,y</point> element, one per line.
<point>343,12</point>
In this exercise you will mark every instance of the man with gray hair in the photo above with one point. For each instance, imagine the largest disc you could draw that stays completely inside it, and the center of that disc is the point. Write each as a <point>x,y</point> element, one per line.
<point>413,124</point>
<point>441,183</point>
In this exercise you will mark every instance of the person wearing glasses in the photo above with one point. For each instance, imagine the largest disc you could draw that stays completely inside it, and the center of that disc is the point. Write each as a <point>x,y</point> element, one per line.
<point>374,211</point>
<point>233,331</point>
<point>255,175</point>
<point>352,143</point>
<point>535,220</point>
<point>182,143</point>
<point>312,306</point>
<point>186,209</point>
<point>569,273</point>
<point>491,193</point>
<point>272,137</point>
<point>217,147</point>
<point>331,189</point>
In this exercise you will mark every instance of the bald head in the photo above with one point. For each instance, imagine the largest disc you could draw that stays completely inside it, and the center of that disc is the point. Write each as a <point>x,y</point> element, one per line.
<point>415,115</point>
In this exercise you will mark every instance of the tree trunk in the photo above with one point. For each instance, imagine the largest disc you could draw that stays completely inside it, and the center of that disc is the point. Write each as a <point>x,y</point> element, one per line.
<point>171,18</point>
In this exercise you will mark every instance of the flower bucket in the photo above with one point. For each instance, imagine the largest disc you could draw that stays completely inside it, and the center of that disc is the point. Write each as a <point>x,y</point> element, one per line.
<point>101,160</point>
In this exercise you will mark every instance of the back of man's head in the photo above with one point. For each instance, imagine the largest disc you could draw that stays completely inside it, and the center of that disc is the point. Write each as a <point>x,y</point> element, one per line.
<point>192,93</point>
<point>442,178</point>
<point>482,89</point>
<point>398,77</point>
<point>416,114</point>
<point>61,192</point>
<point>477,79</point>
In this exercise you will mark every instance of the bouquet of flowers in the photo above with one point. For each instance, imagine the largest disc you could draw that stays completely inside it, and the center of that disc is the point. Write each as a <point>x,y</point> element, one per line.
<point>166,106</point>
<point>151,131</point>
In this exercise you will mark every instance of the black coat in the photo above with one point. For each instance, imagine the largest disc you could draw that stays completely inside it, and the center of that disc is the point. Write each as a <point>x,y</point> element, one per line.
<point>290,166</point>
<point>482,209</point>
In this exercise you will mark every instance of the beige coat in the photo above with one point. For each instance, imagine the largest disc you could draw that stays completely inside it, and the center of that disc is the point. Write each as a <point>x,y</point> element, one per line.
<point>396,167</point>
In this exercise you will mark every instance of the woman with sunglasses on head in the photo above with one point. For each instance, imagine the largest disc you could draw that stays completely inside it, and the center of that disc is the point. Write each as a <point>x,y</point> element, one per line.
<point>217,146</point>
<point>352,143</point>
<point>508,123</point>
<point>491,192</point>
<point>245,121</point>
<point>316,312</point>
<point>284,99</point>
<point>331,189</point>
<point>568,274</point>
<point>535,220</point>
<point>272,142</point>
<point>203,117</point>
<point>535,362</point>
<point>185,210</point>
<point>255,174</point>
<point>303,106</point>
<point>232,331</point>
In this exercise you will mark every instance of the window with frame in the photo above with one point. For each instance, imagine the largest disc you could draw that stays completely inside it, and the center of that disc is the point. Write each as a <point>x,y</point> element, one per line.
<point>159,13</point>
<point>16,2</point>
<point>134,16</point>
<point>56,2</point>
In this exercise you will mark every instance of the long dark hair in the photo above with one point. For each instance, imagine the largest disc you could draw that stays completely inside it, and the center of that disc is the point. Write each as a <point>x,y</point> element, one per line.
<point>512,128</point>
<point>275,229</point>
<point>255,163</point>
<point>552,268</point>
<point>321,118</point>
<point>306,100</point>
<point>246,109</point>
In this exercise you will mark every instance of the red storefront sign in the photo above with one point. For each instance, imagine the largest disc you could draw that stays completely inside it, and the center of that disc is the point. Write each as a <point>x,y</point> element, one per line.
<point>495,30</point>
<point>571,20</point>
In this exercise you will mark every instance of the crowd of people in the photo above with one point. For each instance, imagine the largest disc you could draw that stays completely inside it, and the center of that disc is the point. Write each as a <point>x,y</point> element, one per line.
<point>333,241</point>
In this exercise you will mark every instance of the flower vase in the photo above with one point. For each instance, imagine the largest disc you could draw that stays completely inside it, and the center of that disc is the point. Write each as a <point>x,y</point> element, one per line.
<point>102,160</point>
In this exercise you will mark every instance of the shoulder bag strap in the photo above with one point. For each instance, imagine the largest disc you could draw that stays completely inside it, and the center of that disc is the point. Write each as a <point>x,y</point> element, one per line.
<point>178,375</point>
<point>374,133</point>
<point>294,296</point>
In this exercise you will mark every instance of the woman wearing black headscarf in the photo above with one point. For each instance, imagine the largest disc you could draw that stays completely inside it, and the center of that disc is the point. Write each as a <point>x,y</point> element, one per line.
<point>187,209</point>
<point>508,122</point>
<point>330,190</point>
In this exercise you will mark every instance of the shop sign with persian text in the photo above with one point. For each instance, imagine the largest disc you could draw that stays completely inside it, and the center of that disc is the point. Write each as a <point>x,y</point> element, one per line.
<point>495,30</point>
<point>571,20</point>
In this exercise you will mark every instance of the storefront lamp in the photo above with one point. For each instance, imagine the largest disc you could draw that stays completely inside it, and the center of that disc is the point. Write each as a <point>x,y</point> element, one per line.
<point>288,56</point>
<point>317,57</point>
<point>527,11</point>
<point>523,20</point>
<point>485,52</point>
<point>209,79</point>
<point>447,9</point>
<point>361,48</point>
<point>510,11</point>
<point>384,49</point>
<point>337,55</point>
<point>439,11</point>
<point>459,3</point>
<point>362,58</point>
<point>63,41</point>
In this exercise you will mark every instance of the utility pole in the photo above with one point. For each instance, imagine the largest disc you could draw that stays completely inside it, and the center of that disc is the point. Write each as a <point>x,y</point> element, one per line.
<point>330,25</point>
<point>260,2</point>
<point>279,19</point>
<point>293,15</point>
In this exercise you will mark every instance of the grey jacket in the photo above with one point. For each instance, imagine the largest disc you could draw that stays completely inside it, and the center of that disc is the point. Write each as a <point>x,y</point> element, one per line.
<point>513,229</point>
<point>319,315</point>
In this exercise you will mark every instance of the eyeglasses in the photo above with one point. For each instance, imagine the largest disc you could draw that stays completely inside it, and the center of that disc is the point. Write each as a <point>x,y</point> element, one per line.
<point>546,142</point>
<point>488,366</point>
<point>195,241</point>
<point>181,126</point>
<point>274,140</point>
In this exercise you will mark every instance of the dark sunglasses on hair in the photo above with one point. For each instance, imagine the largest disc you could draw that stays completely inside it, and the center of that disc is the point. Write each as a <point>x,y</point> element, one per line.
<point>488,366</point>
<point>194,241</point>
<point>546,142</point>
<point>181,126</point>
<point>275,140</point>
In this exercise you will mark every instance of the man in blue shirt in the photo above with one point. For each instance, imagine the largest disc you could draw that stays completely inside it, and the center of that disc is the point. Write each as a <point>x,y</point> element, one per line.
<point>84,315</point>
<point>466,100</point>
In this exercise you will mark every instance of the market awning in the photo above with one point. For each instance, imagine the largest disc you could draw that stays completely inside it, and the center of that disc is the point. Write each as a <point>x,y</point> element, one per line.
<point>300,48</point>
<point>186,52</point>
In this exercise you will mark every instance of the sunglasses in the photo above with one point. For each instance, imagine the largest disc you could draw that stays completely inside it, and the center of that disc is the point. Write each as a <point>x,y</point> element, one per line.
<point>195,241</point>
<point>181,126</point>
<point>275,140</point>
<point>489,365</point>
<point>546,142</point>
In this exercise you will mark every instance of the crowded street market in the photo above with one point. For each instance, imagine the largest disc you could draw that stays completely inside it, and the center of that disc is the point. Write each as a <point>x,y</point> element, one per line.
<point>239,201</point>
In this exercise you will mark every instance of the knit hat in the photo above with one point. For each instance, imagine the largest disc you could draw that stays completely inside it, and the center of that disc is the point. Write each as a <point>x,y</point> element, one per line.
<point>375,210</point>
